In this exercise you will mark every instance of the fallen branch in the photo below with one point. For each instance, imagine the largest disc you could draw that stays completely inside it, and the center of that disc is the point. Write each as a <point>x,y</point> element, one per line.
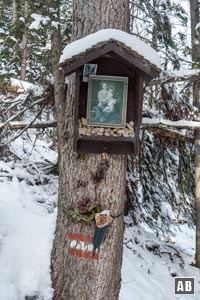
<point>171,129</point>
<point>38,124</point>
<point>24,129</point>
<point>167,124</point>
<point>11,89</point>
<point>146,123</point>
<point>171,134</point>
<point>21,112</point>
<point>177,76</point>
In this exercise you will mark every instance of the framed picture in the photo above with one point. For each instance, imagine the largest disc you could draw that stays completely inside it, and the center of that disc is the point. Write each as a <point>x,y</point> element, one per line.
<point>89,69</point>
<point>107,101</point>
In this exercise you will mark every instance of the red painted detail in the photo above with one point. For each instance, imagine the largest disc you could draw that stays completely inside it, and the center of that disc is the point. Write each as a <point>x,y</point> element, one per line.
<point>75,236</point>
<point>79,253</point>
<point>82,238</point>
<point>88,239</point>
<point>70,235</point>
<point>86,254</point>
<point>71,251</point>
<point>96,256</point>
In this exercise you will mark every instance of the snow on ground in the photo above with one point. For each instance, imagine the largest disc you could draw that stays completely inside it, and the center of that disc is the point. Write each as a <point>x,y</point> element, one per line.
<point>27,223</point>
<point>30,149</point>
<point>150,264</point>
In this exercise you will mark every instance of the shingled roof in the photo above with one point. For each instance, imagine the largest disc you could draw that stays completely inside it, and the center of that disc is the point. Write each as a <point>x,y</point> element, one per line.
<point>131,50</point>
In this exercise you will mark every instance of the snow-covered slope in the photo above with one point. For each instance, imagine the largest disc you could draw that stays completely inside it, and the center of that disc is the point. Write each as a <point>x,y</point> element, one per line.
<point>150,264</point>
<point>27,223</point>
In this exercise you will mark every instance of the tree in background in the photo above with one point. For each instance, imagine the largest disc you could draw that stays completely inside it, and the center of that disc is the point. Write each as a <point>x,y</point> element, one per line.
<point>195,34</point>
<point>160,29</point>
<point>163,173</point>
<point>26,28</point>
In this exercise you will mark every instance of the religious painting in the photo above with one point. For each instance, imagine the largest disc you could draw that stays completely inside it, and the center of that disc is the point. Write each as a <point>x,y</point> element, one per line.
<point>107,101</point>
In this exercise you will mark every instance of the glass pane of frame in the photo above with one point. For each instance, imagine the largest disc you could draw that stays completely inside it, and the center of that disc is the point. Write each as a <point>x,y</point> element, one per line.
<point>107,101</point>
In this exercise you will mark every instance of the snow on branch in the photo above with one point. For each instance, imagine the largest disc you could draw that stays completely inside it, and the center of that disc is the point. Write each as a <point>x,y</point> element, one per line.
<point>163,127</point>
<point>181,135</point>
<point>24,129</point>
<point>21,112</point>
<point>11,89</point>
<point>162,123</point>
<point>19,86</point>
<point>24,86</point>
<point>181,75</point>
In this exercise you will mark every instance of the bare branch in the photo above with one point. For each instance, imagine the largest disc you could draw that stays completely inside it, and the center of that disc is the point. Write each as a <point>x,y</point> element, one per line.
<point>172,134</point>
<point>39,124</point>
<point>21,112</point>
<point>25,128</point>
<point>11,89</point>
<point>176,78</point>
<point>162,123</point>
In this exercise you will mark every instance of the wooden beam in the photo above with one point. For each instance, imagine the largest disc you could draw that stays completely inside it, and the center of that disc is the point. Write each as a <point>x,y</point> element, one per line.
<point>137,60</point>
<point>79,60</point>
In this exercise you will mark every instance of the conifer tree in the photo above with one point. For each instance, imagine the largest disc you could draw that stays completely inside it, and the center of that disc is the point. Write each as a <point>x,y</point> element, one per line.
<point>195,33</point>
<point>78,278</point>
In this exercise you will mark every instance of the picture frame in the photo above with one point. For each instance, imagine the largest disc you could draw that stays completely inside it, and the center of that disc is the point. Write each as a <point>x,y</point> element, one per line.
<point>89,69</point>
<point>107,101</point>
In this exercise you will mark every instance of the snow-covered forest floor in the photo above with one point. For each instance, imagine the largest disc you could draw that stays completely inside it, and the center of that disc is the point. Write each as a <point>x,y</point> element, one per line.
<point>28,197</point>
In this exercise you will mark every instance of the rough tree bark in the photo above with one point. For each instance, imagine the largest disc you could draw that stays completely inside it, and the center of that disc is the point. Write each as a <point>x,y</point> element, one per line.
<point>14,15</point>
<point>155,29</point>
<point>59,80</point>
<point>195,19</point>
<point>24,41</point>
<point>79,278</point>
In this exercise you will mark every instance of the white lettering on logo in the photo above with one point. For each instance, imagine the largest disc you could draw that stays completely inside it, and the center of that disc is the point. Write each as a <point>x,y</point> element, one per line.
<point>188,286</point>
<point>180,286</point>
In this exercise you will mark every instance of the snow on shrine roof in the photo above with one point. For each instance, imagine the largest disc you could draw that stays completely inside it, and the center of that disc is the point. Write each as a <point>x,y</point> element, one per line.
<point>79,46</point>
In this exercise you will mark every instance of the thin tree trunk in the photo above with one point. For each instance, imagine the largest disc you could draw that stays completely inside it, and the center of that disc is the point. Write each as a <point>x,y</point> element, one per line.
<point>14,16</point>
<point>59,80</point>
<point>74,277</point>
<point>24,41</point>
<point>155,29</point>
<point>195,19</point>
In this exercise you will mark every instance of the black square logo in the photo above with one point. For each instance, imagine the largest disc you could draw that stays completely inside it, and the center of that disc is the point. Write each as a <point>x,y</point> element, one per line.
<point>184,285</point>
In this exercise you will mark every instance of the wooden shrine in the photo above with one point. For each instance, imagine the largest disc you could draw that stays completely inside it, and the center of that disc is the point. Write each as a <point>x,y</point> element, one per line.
<point>108,95</point>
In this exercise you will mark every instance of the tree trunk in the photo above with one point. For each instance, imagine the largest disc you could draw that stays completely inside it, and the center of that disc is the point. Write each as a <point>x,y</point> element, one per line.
<point>59,80</point>
<point>89,176</point>
<point>195,12</point>
<point>24,41</point>
<point>14,15</point>
<point>155,29</point>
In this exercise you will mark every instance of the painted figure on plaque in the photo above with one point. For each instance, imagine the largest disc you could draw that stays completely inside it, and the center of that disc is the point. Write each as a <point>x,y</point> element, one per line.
<point>105,105</point>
